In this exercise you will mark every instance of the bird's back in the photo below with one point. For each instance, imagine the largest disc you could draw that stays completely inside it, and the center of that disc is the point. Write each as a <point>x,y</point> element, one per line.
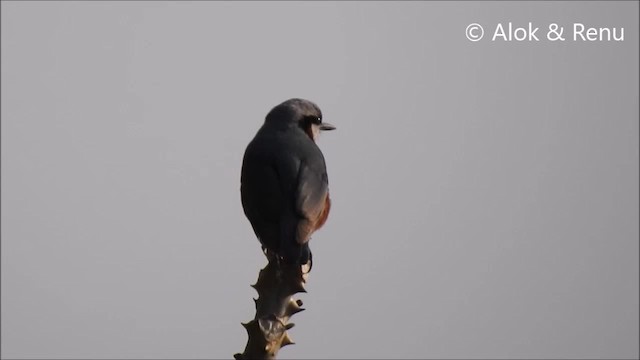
<point>284,188</point>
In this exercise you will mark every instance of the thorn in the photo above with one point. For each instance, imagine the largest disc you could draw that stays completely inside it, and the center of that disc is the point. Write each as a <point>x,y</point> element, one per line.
<point>299,287</point>
<point>289,326</point>
<point>245,325</point>
<point>286,341</point>
<point>293,307</point>
<point>294,311</point>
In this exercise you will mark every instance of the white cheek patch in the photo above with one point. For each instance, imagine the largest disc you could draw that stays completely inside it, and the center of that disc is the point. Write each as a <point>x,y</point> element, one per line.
<point>315,130</point>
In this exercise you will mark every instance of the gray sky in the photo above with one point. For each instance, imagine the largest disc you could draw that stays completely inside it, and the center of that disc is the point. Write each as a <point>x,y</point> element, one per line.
<point>485,194</point>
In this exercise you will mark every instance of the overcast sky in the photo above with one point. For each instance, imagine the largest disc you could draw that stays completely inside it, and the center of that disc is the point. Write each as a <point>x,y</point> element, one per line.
<point>485,194</point>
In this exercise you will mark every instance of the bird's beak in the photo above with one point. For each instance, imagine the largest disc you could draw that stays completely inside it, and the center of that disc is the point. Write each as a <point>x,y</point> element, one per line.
<point>324,127</point>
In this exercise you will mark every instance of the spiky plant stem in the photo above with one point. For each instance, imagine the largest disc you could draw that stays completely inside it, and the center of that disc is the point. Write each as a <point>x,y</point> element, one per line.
<point>276,285</point>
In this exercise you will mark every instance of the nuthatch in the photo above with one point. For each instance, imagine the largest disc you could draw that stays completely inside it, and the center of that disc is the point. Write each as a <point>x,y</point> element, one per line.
<point>284,185</point>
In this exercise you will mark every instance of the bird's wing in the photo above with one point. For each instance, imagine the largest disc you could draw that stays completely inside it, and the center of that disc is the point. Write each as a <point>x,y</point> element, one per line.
<point>311,199</point>
<point>260,195</point>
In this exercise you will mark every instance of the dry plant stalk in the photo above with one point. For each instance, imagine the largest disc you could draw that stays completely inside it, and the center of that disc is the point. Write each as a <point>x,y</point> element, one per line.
<point>276,285</point>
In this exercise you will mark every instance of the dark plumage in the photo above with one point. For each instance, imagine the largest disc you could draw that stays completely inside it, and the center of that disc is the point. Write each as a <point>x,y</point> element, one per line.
<point>284,184</point>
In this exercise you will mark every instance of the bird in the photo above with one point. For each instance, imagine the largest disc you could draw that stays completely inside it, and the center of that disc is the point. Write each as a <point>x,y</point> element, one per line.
<point>284,185</point>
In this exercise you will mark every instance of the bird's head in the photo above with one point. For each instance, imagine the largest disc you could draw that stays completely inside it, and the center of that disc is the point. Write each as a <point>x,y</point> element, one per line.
<point>301,113</point>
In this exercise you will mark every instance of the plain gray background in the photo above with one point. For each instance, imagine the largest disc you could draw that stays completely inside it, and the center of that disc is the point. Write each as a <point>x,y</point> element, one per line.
<point>485,195</point>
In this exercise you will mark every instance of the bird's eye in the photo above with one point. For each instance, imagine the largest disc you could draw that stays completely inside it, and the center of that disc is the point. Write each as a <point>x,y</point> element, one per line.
<point>314,119</point>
